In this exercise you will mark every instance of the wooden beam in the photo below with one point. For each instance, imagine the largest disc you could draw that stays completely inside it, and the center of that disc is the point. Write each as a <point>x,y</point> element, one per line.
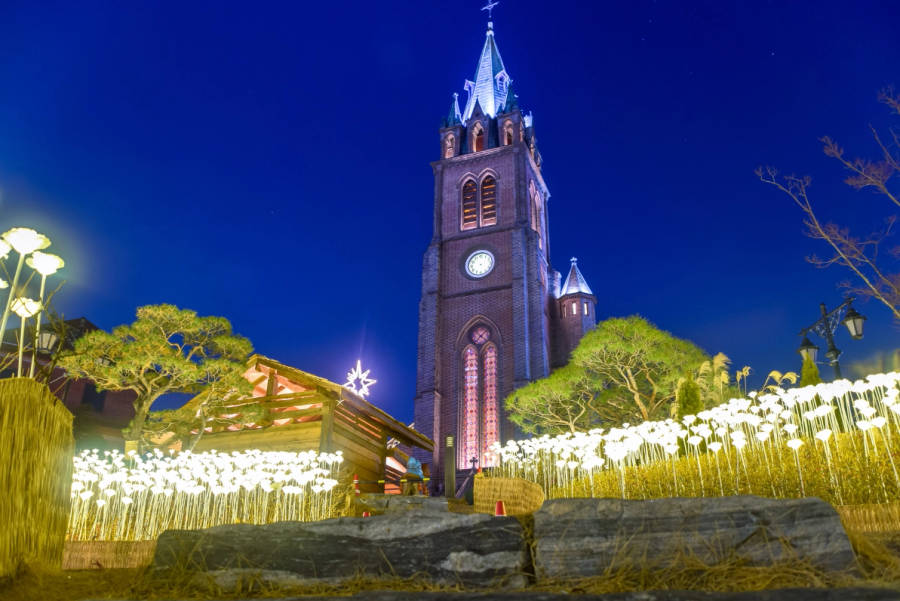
<point>326,442</point>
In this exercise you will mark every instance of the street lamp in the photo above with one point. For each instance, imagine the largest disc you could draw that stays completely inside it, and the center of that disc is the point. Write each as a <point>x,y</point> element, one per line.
<point>808,350</point>
<point>826,327</point>
<point>46,340</point>
<point>854,322</point>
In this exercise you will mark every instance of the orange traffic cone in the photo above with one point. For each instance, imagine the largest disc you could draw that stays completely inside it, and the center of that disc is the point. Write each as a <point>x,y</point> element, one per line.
<point>500,509</point>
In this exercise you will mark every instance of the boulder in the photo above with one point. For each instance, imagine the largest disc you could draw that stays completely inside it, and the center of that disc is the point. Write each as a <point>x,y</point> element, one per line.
<point>577,538</point>
<point>445,548</point>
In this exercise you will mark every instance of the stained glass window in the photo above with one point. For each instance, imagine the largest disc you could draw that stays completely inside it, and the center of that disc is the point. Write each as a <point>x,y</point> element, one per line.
<point>470,408</point>
<point>489,201</point>
<point>469,206</point>
<point>491,430</point>
<point>480,335</point>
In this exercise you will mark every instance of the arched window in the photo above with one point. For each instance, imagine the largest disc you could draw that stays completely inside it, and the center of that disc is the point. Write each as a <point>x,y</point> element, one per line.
<point>488,201</point>
<point>480,425</point>
<point>449,143</point>
<point>469,206</point>
<point>477,137</point>
<point>470,407</point>
<point>537,212</point>
<point>508,133</point>
<point>491,431</point>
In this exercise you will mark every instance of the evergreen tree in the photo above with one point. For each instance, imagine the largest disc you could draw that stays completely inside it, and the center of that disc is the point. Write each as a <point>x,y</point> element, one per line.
<point>687,396</point>
<point>809,374</point>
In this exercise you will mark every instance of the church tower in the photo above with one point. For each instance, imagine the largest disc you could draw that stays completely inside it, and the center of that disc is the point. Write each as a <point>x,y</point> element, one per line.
<point>492,317</point>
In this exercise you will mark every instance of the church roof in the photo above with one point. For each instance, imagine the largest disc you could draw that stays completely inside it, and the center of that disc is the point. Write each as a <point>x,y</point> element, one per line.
<point>491,85</point>
<point>575,282</point>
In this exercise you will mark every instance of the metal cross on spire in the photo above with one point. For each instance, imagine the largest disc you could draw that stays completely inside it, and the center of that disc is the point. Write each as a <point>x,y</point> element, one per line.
<point>490,7</point>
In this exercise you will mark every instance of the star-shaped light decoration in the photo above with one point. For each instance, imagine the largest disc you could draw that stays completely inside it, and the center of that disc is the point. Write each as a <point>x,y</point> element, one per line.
<point>358,380</point>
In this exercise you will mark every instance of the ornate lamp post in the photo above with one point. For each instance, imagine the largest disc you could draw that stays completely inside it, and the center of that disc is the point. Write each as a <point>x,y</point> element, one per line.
<point>45,264</point>
<point>826,327</point>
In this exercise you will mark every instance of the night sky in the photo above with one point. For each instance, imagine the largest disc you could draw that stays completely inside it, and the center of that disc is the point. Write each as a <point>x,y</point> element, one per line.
<point>269,162</point>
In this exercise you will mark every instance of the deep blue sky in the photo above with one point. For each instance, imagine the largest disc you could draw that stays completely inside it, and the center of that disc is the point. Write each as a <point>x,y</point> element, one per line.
<point>269,162</point>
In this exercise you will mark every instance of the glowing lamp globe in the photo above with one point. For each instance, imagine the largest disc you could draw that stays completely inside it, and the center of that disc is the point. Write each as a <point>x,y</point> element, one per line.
<point>45,263</point>
<point>25,240</point>
<point>4,249</point>
<point>46,341</point>
<point>3,284</point>
<point>808,350</point>
<point>25,307</point>
<point>854,322</point>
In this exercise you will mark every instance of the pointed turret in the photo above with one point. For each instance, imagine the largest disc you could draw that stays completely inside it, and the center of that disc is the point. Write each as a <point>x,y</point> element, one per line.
<point>454,117</point>
<point>491,85</point>
<point>577,313</point>
<point>575,282</point>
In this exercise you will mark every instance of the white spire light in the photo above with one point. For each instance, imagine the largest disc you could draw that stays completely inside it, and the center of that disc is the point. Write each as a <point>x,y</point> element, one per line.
<point>358,380</point>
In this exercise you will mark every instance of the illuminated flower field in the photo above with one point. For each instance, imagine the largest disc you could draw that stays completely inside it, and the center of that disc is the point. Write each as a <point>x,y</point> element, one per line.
<point>838,441</point>
<point>121,498</point>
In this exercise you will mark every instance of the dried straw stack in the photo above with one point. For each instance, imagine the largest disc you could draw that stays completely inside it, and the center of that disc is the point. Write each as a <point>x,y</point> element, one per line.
<point>36,447</point>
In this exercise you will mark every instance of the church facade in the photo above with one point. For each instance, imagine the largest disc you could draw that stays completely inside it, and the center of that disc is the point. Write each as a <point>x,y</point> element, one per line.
<point>494,314</point>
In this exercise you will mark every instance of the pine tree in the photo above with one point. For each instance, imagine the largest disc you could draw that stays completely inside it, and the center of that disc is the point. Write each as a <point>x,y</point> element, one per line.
<point>687,396</point>
<point>809,374</point>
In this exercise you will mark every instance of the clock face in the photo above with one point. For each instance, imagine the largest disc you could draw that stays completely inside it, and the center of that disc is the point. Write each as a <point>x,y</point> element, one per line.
<point>479,264</point>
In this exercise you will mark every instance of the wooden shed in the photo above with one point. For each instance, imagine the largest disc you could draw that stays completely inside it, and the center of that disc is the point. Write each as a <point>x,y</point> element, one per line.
<point>304,412</point>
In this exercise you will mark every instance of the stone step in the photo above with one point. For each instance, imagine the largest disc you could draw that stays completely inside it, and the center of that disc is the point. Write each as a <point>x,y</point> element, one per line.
<point>803,594</point>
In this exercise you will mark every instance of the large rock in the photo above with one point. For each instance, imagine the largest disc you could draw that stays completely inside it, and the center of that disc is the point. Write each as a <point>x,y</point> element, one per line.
<point>447,548</point>
<point>577,538</point>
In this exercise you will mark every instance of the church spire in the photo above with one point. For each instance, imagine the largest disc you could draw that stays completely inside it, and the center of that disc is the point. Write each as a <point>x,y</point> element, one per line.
<point>453,117</point>
<point>491,85</point>
<point>575,282</point>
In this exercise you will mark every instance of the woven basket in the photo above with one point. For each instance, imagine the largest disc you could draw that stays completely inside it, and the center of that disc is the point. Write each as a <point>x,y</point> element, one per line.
<point>519,496</point>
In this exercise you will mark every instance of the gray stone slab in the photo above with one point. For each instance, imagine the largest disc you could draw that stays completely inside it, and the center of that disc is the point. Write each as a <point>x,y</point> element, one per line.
<point>382,503</point>
<point>577,538</point>
<point>807,594</point>
<point>447,548</point>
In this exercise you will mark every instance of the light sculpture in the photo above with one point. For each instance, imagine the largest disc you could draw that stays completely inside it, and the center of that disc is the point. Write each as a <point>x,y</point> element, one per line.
<point>24,308</point>
<point>358,380</point>
<point>24,241</point>
<point>45,264</point>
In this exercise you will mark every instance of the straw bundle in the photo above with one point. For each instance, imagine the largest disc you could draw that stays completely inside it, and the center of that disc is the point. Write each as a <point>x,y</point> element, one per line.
<point>36,448</point>
<point>519,496</point>
<point>881,517</point>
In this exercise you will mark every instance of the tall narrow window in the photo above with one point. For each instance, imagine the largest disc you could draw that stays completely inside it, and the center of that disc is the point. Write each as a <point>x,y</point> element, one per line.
<point>536,213</point>
<point>479,400</point>
<point>470,407</point>
<point>585,308</point>
<point>491,432</point>
<point>477,137</point>
<point>508,133</point>
<point>449,143</point>
<point>469,206</point>
<point>488,201</point>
